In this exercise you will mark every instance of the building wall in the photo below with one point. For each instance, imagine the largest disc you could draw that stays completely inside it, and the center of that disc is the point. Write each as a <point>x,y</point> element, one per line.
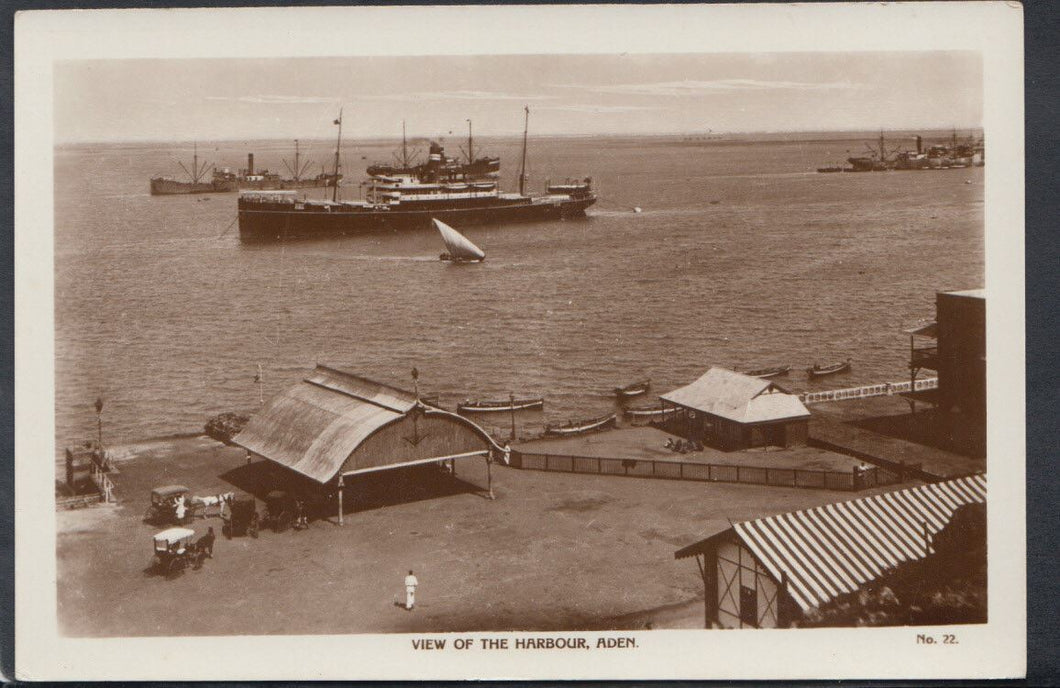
<point>407,440</point>
<point>732,436</point>
<point>962,363</point>
<point>747,595</point>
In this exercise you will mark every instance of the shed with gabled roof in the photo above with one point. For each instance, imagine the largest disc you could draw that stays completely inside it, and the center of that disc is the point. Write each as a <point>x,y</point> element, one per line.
<point>735,411</point>
<point>768,572</point>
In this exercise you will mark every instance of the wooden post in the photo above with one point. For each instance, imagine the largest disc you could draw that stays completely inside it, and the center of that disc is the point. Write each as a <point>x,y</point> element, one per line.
<point>489,474</point>
<point>782,620</point>
<point>341,486</point>
<point>701,563</point>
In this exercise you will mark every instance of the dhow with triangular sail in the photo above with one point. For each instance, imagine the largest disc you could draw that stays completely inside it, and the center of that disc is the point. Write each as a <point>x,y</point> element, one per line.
<point>459,248</point>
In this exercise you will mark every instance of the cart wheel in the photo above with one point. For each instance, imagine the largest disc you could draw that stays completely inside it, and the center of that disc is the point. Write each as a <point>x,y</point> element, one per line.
<point>149,515</point>
<point>176,567</point>
<point>252,527</point>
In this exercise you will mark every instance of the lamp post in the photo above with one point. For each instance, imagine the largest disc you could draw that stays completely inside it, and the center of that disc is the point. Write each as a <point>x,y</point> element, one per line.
<point>99,422</point>
<point>511,401</point>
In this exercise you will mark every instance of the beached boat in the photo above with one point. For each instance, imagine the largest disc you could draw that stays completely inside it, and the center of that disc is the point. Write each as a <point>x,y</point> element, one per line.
<point>459,248</point>
<point>580,426</point>
<point>470,406</point>
<point>648,412</point>
<point>769,372</point>
<point>633,390</point>
<point>820,371</point>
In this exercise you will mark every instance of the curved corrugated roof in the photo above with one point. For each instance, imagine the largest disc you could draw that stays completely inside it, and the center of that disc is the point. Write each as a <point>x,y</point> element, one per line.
<point>834,549</point>
<point>314,426</point>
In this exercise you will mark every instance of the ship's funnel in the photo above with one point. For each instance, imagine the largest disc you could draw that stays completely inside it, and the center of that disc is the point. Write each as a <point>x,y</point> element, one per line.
<point>250,164</point>
<point>919,145</point>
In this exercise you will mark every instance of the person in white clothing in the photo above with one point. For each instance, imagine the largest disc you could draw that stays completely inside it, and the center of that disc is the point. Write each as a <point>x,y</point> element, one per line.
<point>410,590</point>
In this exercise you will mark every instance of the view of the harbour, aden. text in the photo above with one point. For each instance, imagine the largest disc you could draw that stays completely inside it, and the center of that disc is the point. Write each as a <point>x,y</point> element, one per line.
<point>418,351</point>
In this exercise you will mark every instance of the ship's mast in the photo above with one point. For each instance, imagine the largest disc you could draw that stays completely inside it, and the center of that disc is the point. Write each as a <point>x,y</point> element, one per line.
<point>404,147</point>
<point>195,163</point>
<point>470,150</point>
<point>522,167</point>
<point>338,147</point>
<point>297,169</point>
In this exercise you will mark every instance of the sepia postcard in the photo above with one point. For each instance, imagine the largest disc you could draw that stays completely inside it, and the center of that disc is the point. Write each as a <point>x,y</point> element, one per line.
<point>520,342</point>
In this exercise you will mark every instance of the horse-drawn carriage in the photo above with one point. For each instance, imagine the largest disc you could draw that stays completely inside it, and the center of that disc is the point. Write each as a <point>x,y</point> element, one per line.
<point>240,516</point>
<point>175,549</point>
<point>283,510</point>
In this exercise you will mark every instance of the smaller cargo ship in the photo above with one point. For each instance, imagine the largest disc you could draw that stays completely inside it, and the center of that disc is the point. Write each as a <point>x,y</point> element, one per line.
<point>250,178</point>
<point>196,184</point>
<point>956,154</point>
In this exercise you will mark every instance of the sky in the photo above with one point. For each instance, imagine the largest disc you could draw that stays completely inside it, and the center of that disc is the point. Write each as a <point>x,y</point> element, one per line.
<point>225,99</point>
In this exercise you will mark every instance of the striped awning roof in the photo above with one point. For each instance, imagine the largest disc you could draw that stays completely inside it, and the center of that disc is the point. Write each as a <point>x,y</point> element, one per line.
<point>834,549</point>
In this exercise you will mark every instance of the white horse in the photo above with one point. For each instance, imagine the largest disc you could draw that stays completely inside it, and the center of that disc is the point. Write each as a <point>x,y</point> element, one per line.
<point>219,500</point>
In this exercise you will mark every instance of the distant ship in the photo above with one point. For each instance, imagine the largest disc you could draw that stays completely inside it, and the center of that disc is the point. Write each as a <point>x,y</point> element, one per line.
<point>224,180</point>
<point>264,180</point>
<point>958,153</point>
<point>166,186</point>
<point>407,196</point>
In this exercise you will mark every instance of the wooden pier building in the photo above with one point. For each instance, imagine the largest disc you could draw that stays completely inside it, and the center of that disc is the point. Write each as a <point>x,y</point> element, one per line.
<point>733,411</point>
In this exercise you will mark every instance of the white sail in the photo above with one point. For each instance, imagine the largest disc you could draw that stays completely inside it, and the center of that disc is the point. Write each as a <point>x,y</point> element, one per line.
<point>458,245</point>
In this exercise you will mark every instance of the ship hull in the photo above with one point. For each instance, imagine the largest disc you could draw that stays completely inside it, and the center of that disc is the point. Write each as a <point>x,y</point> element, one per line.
<point>282,222</point>
<point>171,187</point>
<point>284,184</point>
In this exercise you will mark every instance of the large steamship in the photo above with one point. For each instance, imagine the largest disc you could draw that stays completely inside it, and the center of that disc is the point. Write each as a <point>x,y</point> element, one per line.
<point>406,196</point>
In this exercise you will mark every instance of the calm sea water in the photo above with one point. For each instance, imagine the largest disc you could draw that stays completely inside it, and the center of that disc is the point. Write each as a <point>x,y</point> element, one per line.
<point>743,256</point>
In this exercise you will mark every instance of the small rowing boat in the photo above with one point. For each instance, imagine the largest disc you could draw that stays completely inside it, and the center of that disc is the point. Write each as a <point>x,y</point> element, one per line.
<point>633,390</point>
<point>648,412</point>
<point>498,406</point>
<point>580,426</point>
<point>769,372</point>
<point>820,371</point>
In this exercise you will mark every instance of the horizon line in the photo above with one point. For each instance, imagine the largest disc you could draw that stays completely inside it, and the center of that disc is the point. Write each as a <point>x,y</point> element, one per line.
<point>711,134</point>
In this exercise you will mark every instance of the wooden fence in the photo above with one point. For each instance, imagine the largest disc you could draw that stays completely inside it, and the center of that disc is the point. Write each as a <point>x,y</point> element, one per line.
<point>858,479</point>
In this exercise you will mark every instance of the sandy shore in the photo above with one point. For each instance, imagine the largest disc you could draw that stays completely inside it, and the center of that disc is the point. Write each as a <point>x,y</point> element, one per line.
<point>553,551</point>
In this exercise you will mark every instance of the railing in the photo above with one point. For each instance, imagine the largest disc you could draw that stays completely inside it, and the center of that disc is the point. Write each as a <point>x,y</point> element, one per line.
<point>103,483</point>
<point>858,479</point>
<point>884,389</point>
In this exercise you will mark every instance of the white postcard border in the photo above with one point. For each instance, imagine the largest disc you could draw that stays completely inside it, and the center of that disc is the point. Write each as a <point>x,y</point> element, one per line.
<point>996,649</point>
